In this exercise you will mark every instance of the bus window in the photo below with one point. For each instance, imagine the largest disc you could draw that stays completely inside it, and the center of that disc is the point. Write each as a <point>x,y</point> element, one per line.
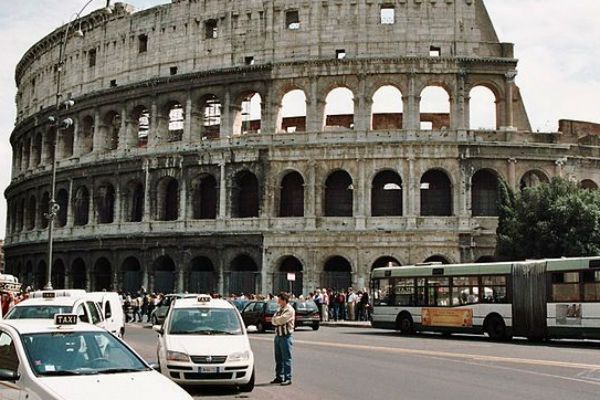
<point>438,291</point>
<point>465,290</point>
<point>382,294</point>
<point>565,286</point>
<point>494,289</point>
<point>404,291</point>
<point>591,285</point>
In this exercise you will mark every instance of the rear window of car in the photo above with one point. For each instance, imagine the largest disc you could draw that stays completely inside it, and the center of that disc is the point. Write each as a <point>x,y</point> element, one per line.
<point>272,307</point>
<point>306,306</point>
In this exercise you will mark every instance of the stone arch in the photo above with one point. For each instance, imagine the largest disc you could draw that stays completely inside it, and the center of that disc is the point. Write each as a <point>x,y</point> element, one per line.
<point>111,125</point>
<point>67,140</point>
<point>205,197</point>
<point>385,261</point>
<point>50,145</point>
<point>289,264</point>
<point>436,194</point>
<point>174,119</point>
<point>437,259</point>
<point>203,276</point>
<point>386,194</point>
<point>103,275</point>
<point>339,195</point>
<point>292,113</point>
<point>58,274</point>
<point>533,178</point>
<point>81,206</point>
<point>339,108</point>
<point>291,195</point>
<point>485,193</point>
<point>164,274</point>
<point>140,124</point>
<point>245,195</point>
<point>78,274</point>
<point>588,184</point>
<point>210,114</point>
<point>104,199</point>
<point>30,216</point>
<point>167,199</point>
<point>243,275</point>
<point>132,275</point>
<point>87,134</point>
<point>387,108</point>
<point>248,113</point>
<point>337,273</point>
<point>133,201</point>
<point>26,153</point>
<point>62,198</point>
<point>40,278</point>
<point>435,108</point>
<point>36,156</point>
<point>483,108</point>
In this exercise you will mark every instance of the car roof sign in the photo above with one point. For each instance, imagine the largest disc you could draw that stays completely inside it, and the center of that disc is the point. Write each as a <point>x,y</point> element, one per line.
<point>48,295</point>
<point>65,319</point>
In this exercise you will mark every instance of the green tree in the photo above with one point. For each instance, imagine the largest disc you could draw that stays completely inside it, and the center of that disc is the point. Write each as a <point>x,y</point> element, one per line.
<point>552,220</point>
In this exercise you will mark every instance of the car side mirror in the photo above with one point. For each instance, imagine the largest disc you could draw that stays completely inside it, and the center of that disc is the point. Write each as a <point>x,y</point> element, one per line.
<point>252,329</point>
<point>158,329</point>
<point>7,375</point>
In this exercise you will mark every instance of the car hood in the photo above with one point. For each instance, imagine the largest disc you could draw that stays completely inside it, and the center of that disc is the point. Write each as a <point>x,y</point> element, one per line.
<point>203,345</point>
<point>114,387</point>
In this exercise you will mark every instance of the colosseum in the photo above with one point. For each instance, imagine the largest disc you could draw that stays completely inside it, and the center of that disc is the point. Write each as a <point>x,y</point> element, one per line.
<point>218,145</point>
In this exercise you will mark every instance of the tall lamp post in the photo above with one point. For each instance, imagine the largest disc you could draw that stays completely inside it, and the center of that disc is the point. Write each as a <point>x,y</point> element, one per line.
<point>65,123</point>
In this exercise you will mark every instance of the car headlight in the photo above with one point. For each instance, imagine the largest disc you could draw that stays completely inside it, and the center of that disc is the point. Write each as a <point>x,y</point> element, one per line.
<point>177,356</point>
<point>239,356</point>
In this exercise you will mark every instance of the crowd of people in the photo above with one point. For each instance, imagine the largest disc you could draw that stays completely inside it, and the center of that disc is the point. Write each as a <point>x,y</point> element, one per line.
<point>140,305</point>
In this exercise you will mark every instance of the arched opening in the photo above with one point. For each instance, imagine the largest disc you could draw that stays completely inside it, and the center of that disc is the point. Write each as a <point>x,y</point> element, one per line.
<point>87,134</point>
<point>78,274</point>
<point>36,156</point>
<point>31,213</point>
<point>67,137</point>
<point>26,154</point>
<point>293,112</point>
<point>81,206</point>
<point>102,275</point>
<point>289,267</point>
<point>203,277</point>
<point>485,259</point>
<point>588,184</point>
<point>176,116</point>
<point>205,198</point>
<point>437,259</point>
<point>40,276</point>
<point>211,116</point>
<point>435,108</point>
<point>249,118</point>
<point>28,276</point>
<point>164,275</point>
<point>44,204</point>
<point>243,275</point>
<point>339,109</point>
<point>50,145</point>
<point>386,195</point>
<point>337,274</point>
<point>245,196</point>
<point>339,195</point>
<point>141,118</point>
<point>132,275</point>
<point>168,199</point>
<point>436,194</point>
<point>21,215</point>
<point>58,274</point>
<point>112,127</point>
<point>387,109</point>
<point>482,109</point>
<point>62,198</point>
<point>291,195</point>
<point>533,179</point>
<point>105,203</point>
<point>386,261</point>
<point>484,194</point>
<point>134,202</point>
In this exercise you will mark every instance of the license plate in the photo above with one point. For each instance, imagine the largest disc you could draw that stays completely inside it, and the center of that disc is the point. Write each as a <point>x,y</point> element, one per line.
<point>209,370</point>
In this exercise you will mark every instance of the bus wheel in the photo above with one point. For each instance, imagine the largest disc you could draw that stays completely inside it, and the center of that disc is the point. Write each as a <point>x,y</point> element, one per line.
<point>405,324</point>
<point>495,327</point>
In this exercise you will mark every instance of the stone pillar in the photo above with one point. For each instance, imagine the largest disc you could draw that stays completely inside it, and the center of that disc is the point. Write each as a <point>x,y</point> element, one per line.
<point>270,113</point>
<point>118,217</point>
<point>222,192</point>
<point>124,130</point>
<point>99,142</point>
<point>459,118</point>
<point>182,200</point>
<point>315,108</point>
<point>154,132</point>
<point>360,196</point>
<point>91,208</point>
<point>77,151</point>
<point>559,167</point>
<point>310,199</point>
<point>187,126</point>
<point>226,116</point>
<point>413,195</point>
<point>412,101</point>
<point>508,99</point>
<point>70,213</point>
<point>221,274</point>
<point>512,173</point>
<point>463,189</point>
<point>147,205</point>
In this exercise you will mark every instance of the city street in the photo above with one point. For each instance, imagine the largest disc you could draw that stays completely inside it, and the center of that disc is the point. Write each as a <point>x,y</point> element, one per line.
<point>361,363</point>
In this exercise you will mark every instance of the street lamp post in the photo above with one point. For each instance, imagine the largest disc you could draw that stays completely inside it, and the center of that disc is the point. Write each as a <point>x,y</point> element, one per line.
<point>53,206</point>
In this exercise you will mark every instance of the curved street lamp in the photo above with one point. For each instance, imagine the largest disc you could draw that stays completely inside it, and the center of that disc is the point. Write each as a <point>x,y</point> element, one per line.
<point>53,206</point>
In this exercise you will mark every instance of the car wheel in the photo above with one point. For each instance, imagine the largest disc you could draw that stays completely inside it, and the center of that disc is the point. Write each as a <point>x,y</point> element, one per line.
<point>406,325</point>
<point>496,328</point>
<point>315,327</point>
<point>248,387</point>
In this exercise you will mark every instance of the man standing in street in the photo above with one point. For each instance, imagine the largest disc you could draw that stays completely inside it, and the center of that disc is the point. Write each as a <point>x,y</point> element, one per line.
<point>283,321</point>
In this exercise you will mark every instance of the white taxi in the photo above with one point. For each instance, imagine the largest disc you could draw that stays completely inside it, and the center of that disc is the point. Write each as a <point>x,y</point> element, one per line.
<point>203,341</point>
<point>67,360</point>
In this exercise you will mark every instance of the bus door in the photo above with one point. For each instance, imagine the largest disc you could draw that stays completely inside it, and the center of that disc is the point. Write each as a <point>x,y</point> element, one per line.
<point>529,300</point>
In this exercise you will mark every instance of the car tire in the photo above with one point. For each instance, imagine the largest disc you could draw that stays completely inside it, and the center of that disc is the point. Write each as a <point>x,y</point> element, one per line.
<point>260,327</point>
<point>405,325</point>
<point>248,387</point>
<point>315,327</point>
<point>496,328</point>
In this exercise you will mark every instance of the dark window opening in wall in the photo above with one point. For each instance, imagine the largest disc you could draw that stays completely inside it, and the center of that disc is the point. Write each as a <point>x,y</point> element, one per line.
<point>436,194</point>
<point>291,202</point>
<point>67,140</point>
<point>62,198</point>
<point>58,274</point>
<point>81,206</point>
<point>243,276</point>
<point>37,150</point>
<point>31,213</point>
<point>245,196</point>
<point>142,116</point>
<point>484,194</point>
<point>251,114</point>
<point>176,122</point>
<point>92,58</point>
<point>113,83</point>
<point>105,204</point>
<point>168,199</point>
<point>387,15</point>
<point>112,126</point>
<point>203,278</point>
<point>142,43</point>
<point>292,20</point>
<point>135,202</point>
<point>293,112</point>
<point>290,264</point>
<point>88,135</point>
<point>386,195</point>
<point>211,29</point>
<point>533,179</point>
<point>588,184</point>
<point>340,54</point>
<point>339,195</point>
<point>204,198</point>
<point>102,275</point>
<point>131,270</point>
<point>211,117</point>
<point>435,51</point>
<point>437,259</point>
<point>79,274</point>
<point>173,71</point>
<point>386,261</point>
<point>44,204</point>
<point>249,60</point>
<point>164,275</point>
<point>337,274</point>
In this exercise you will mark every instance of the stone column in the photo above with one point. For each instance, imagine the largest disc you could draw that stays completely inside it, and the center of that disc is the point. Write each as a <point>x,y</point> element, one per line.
<point>512,173</point>
<point>70,213</point>
<point>559,167</point>
<point>222,192</point>
<point>124,130</point>
<point>76,138</point>
<point>147,205</point>
<point>459,119</point>
<point>187,127</point>
<point>315,108</point>
<point>226,116</point>
<point>99,142</point>
<point>508,100</point>
<point>412,118</point>
<point>154,131</point>
<point>118,217</point>
<point>360,196</point>
<point>182,200</point>
<point>413,196</point>
<point>310,196</point>
<point>91,208</point>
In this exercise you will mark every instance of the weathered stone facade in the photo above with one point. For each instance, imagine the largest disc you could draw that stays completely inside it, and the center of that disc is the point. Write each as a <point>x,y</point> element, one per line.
<point>167,180</point>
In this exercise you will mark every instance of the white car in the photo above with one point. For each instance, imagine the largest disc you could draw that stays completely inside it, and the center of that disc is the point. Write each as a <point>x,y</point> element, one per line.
<point>63,359</point>
<point>112,310</point>
<point>203,341</point>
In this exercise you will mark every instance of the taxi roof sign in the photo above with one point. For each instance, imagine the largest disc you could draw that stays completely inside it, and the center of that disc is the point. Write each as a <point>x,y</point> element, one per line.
<point>65,319</point>
<point>204,298</point>
<point>48,295</point>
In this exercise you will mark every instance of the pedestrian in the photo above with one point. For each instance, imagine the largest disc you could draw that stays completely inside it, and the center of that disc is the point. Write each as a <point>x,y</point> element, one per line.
<point>364,301</point>
<point>325,306</point>
<point>351,305</point>
<point>283,321</point>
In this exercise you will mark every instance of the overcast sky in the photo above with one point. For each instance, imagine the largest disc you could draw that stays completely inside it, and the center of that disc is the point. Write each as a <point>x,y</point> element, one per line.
<point>556,42</point>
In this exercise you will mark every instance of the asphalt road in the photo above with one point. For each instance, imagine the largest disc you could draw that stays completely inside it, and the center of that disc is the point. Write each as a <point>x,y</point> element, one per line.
<point>353,363</point>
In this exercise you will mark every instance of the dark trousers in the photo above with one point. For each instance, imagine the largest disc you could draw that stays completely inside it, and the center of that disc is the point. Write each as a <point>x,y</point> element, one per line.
<point>283,357</point>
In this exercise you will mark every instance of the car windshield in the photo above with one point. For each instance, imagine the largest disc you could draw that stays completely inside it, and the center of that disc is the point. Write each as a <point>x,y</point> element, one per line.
<point>272,307</point>
<point>37,312</point>
<point>204,321</point>
<point>79,353</point>
<point>305,306</point>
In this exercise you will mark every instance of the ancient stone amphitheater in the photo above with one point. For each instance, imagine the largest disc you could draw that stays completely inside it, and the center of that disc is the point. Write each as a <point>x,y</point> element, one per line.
<point>219,145</point>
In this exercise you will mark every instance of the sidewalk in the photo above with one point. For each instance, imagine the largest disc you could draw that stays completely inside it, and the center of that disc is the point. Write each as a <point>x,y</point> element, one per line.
<point>347,324</point>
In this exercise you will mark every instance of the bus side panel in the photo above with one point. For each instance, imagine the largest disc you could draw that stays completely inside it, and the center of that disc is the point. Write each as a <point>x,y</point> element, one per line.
<point>574,320</point>
<point>529,300</point>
